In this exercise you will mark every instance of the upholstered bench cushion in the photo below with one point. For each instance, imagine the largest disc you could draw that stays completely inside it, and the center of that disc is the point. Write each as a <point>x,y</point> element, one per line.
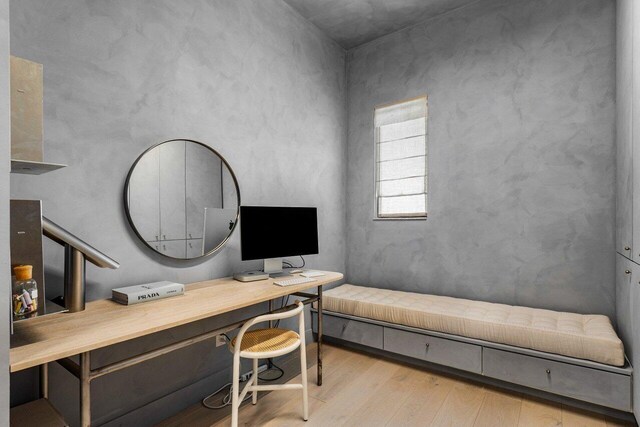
<point>576,335</point>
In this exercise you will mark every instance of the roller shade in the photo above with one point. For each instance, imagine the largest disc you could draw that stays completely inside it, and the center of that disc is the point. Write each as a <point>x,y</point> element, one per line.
<point>401,159</point>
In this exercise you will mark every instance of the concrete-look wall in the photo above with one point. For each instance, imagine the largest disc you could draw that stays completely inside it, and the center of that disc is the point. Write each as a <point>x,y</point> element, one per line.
<point>251,79</point>
<point>521,155</point>
<point>5,154</point>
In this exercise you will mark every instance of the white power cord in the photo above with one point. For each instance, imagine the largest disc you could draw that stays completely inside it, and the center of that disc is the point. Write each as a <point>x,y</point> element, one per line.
<point>226,400</point>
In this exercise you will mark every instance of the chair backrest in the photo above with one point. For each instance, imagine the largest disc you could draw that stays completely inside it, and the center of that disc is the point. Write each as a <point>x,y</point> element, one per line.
<point>298,311</point>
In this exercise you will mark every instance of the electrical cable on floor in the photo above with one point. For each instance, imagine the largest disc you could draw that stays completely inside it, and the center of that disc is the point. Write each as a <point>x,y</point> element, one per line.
<point>272,367</point>
<point>226,400</point>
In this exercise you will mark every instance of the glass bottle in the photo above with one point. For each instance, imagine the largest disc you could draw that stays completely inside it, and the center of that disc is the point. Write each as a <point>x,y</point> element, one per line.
<point>25,291</point>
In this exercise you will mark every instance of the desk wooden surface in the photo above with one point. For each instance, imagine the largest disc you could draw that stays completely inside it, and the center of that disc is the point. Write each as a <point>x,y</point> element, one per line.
<point>105,322</point>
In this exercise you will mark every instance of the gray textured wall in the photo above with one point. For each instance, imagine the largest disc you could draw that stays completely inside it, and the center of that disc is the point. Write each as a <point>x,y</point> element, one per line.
<point>5,143</point>
<point>521,155</point>
<point>250,78</point>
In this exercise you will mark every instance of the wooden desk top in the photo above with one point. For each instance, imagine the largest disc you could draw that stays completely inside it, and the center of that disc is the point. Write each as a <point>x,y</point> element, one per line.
<point>105,322</point>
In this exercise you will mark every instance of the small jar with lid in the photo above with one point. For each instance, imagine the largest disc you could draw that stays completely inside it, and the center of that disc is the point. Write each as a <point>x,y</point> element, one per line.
<point>25,291</point>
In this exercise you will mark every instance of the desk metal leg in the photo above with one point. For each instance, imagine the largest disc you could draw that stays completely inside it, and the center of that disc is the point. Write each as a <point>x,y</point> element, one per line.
<point>85,389</point>
<point>44,380</point>
<point>319,335</point>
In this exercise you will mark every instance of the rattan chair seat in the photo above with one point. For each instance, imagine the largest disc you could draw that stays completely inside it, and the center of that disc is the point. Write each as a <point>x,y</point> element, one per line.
<point>266,340</point>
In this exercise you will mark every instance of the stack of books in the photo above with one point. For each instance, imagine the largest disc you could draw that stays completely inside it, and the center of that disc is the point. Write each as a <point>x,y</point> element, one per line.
<point>144,293</point>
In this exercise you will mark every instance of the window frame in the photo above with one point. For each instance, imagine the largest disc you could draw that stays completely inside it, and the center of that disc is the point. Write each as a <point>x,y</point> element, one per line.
<point>376,145</point>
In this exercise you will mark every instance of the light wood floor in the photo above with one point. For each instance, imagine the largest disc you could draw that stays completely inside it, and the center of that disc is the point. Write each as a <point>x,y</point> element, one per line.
<point>364,390</point>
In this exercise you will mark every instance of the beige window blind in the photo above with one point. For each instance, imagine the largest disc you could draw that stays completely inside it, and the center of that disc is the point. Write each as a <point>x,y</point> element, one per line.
<point>401,159</point>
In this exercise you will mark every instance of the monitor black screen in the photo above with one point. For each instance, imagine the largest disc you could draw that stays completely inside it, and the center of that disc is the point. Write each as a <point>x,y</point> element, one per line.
<point>277,232</point>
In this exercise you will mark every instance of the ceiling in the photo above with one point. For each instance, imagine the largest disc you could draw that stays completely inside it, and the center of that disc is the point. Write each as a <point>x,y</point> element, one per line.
<point>354,22</point>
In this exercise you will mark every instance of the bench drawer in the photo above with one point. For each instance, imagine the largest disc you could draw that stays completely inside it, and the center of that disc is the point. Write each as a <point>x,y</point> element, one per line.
<point>591,385</point>
<point>353,331</point>
<point>442,351</point>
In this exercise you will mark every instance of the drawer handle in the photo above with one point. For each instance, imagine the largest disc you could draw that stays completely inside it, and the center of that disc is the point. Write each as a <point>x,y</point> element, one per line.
<point>548,371</point>
<point>627,248</point>
<point>627,272</point>
<point>344,326</point>
<point>427,346</point>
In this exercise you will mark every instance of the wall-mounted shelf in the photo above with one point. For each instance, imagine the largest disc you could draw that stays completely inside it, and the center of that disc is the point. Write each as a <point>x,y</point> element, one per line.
<point>33,168</point>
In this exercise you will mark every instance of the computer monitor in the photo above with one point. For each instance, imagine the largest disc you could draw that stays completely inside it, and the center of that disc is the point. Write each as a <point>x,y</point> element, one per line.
<point>272,233</point>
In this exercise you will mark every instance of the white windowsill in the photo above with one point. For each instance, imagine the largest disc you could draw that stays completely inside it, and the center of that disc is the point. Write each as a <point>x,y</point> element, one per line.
<point>418,218</point>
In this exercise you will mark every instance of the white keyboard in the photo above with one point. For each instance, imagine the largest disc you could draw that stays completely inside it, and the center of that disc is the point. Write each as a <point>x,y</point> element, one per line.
<point>312,273</point>
<point>294,281</point>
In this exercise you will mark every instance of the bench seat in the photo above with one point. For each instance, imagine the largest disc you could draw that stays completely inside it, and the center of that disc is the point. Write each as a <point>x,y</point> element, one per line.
<point>589,337</point>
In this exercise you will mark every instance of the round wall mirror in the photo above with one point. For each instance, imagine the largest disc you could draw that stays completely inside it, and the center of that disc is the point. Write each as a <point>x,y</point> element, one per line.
<point>182,199</point>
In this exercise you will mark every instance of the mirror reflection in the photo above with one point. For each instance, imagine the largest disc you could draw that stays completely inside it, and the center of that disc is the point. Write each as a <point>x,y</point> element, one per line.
<point>182,199</point>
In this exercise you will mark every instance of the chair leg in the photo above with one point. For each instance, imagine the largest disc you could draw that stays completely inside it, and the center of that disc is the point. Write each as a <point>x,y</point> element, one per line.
<point>254,398</point>
<point>236,391</point>
<point>303,372</point>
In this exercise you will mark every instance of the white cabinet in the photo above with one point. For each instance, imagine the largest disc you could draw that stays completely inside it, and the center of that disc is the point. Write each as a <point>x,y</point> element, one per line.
<point>144,196</point>
<point>174,248</point>
<point>624,130</point>
<point>628,315</point>
<point>628,184</point>
<point>634,314</point>
<point>628,130</point>
<point>634,89</point>
<point>172,191</point>
<point>203,189</point>
<point>625,280</point>
<point>194,248</point>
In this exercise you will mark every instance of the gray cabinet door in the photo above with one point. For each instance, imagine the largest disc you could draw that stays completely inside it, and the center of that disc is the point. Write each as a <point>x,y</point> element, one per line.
<point>174,248</point>
<point>622,161</point>
<point>144,196</point>
<point>624,105</point>
<point>625,280</point>
<point>194,248</point>
<point>634,314</point>
<point>587,384</point>
<point>456,354</point>
<point>172,191</point>
<point>353,331</point>
<point>203,187</point>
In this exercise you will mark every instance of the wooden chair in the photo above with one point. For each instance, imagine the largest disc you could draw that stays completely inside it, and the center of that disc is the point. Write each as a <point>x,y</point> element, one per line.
<point>263,344</point>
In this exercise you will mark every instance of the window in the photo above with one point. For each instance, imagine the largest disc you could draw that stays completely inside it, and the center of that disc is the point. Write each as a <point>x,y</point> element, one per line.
<point>401,159</point>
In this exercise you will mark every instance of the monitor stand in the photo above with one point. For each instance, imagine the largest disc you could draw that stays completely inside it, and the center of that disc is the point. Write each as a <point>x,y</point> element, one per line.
<point>273,267</point>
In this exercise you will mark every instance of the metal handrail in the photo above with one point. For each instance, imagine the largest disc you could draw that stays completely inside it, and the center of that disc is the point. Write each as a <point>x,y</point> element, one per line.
<point>63,237</point>
<point>76,252</point>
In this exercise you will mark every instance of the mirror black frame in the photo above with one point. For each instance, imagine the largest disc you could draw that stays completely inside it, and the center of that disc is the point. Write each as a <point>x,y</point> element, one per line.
<point>128,213</point>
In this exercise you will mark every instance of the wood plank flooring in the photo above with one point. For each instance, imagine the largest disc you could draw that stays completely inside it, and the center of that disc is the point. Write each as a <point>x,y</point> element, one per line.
<point>364,390</point>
